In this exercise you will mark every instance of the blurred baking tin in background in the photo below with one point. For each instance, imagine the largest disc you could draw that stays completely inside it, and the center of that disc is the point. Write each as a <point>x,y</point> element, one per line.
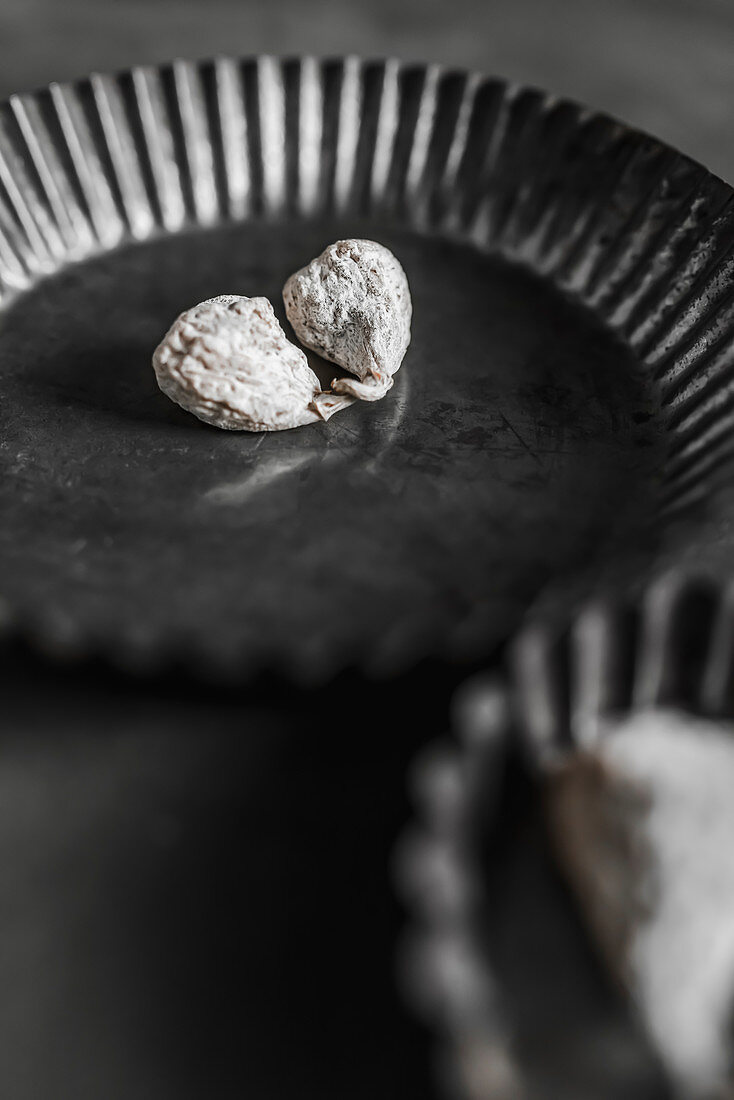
<point>564,400</point>
<point>569,870</point>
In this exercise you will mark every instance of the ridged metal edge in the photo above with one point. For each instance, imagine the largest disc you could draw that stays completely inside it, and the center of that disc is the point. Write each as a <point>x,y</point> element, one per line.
<point>673,645</point>
<point>442,962</point>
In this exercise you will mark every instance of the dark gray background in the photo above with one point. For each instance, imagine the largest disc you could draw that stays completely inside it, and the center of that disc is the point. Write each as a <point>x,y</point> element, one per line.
<point>195,897</point>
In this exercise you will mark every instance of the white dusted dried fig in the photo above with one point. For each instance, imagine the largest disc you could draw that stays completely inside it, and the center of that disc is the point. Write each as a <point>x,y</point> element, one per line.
<point>352,305</point>
<point>227,361</point>
<point>644,825</point>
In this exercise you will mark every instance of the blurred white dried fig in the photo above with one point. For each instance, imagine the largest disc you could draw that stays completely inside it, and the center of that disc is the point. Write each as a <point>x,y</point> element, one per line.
<point>227,361</point>
<point>352,305</point>
<point>644,824</point>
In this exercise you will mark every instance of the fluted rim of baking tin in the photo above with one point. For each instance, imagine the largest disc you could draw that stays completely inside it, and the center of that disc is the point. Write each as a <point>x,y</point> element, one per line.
<point>669,645</point>
<point>630,227</point>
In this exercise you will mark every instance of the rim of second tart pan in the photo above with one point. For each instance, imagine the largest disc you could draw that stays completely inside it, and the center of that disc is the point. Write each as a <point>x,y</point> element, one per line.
<point>665,646</point>
<point>649,246</point>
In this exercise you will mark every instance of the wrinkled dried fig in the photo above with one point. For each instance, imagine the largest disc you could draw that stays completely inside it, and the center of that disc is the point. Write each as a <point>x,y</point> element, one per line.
<point>644,825</point>
<point>227,361</point>
<point>352,305</point>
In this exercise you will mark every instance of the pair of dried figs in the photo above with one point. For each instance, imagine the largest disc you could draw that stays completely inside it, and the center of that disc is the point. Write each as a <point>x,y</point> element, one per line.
<point>228,361</point>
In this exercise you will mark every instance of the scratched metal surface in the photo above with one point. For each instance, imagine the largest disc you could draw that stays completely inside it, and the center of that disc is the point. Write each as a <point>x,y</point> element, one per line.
<point>435,512</point>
